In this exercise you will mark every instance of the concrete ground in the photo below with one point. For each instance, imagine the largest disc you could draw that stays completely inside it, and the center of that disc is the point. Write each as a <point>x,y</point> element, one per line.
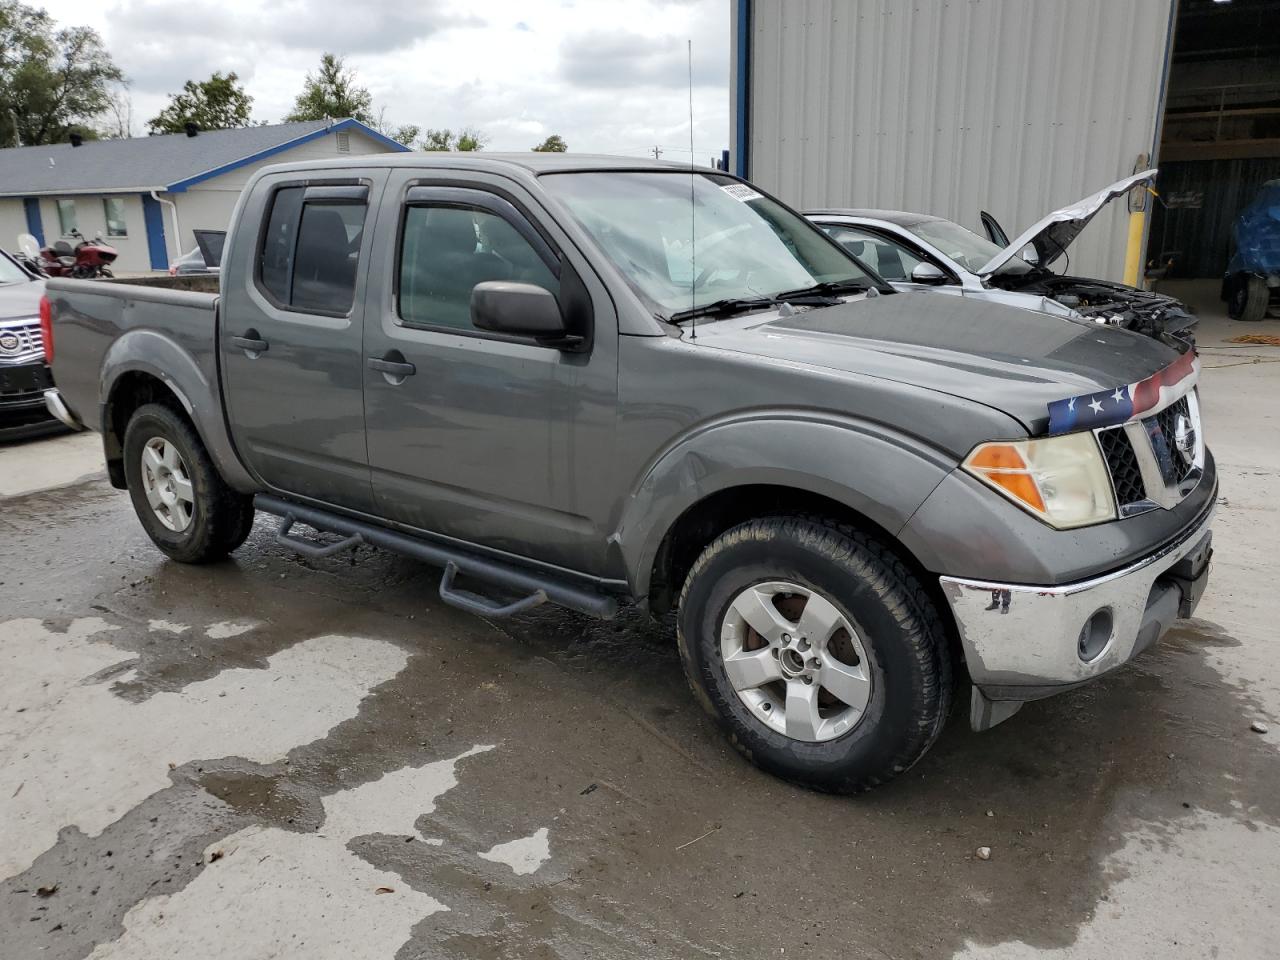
<point>275,757</point>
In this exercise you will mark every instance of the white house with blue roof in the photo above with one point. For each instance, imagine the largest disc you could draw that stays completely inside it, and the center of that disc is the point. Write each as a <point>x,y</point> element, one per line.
<point>146,195</point>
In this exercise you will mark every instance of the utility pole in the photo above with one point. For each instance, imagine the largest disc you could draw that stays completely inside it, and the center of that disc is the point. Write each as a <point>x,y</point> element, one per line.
<point>657,151</point>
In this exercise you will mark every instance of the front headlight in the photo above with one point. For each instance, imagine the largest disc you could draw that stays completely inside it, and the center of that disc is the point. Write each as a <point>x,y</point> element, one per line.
<point>1062,480</point>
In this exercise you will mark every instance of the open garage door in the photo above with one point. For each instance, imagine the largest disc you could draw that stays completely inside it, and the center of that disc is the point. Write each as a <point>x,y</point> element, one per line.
<point>1221,132</point>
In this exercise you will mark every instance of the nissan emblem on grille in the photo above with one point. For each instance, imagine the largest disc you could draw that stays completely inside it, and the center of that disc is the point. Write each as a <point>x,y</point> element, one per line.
<point>1184,438</point>
<point>9,343</point>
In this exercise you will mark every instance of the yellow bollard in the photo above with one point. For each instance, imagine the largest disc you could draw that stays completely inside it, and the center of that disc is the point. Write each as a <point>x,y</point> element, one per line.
<point>1133,251</point>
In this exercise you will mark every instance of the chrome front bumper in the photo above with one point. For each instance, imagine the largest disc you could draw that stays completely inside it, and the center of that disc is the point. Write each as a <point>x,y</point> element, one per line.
<point>1026,642</point>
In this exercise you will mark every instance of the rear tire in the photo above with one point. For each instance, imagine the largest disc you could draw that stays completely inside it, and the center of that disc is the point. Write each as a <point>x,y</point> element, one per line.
<point>872,695</point>
<point>185,506</point>
<point>1250,297</point>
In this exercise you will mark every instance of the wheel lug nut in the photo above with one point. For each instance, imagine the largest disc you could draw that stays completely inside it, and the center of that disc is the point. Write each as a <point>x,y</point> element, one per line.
<point>786,638</point>
<point>815,663</point>
<point>804,643</point>
<point>808,680</point>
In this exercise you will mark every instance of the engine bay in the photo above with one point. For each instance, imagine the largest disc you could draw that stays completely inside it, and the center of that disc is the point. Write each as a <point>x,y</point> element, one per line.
<point>1115,304</point>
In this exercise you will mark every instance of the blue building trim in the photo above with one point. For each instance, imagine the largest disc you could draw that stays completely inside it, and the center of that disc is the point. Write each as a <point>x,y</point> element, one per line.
<point>338,127</point>
<point>153,218</point>
<point>1163,97</point>
<point>742,60</point>
<point>35,226</point>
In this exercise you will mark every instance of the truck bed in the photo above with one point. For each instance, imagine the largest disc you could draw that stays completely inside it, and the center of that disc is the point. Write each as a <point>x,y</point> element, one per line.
<point>167,326</point>
<point>194,282</point>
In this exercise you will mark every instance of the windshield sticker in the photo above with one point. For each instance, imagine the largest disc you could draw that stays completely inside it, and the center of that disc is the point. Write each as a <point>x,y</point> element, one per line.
<point>1130,402</point>
<point>740,191</point>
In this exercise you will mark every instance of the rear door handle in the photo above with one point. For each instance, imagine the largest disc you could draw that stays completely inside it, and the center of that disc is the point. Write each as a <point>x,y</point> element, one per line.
<point>251,344</point>
<point>392,368</point>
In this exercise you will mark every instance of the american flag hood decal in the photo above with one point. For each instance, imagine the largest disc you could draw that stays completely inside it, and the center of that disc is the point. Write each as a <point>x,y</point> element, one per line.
<point>1110,407</point>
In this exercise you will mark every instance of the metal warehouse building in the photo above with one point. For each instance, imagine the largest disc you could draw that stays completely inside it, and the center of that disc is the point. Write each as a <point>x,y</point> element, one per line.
<point>950,107</point>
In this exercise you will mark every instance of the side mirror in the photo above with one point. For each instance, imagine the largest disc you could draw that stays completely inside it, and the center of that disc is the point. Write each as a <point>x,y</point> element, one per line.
<point>522,310</point>
<point>929,273</point>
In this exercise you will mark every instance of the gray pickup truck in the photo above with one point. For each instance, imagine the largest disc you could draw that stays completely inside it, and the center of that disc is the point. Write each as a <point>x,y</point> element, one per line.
<point>594,381</point>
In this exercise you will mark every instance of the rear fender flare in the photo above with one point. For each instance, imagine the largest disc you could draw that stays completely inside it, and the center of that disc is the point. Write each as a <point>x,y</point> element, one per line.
<point>152,353</point>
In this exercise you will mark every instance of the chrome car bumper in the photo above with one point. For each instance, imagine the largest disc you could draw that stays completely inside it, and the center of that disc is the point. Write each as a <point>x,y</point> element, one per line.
<point>53,403</point>
<point>1025,642</point>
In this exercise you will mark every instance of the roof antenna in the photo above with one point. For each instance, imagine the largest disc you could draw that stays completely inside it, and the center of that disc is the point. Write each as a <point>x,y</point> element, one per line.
<point>693,236</point>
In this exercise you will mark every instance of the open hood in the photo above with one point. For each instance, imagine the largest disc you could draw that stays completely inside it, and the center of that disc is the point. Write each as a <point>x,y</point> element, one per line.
<point>1053,234</point>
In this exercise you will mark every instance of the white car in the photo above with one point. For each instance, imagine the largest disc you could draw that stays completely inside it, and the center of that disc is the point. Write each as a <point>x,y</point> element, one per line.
<point>914,251</point>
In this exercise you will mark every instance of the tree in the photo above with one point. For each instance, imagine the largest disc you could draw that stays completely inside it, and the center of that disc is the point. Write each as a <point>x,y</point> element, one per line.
<point>214,104</point>
<point>553,144</point>
<point>332,92</point>
<point>468,139</point>
<point>51,81</point>
<point>405,133</point>
<point>438,140</point>
<point>117,118</point>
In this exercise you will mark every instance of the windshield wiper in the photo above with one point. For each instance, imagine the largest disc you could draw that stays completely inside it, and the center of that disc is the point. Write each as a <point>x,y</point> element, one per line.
<point>825,289</point>
<point>723,308</point>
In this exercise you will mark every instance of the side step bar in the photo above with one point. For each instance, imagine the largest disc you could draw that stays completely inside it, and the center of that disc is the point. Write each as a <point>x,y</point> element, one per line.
<point>534,587</point>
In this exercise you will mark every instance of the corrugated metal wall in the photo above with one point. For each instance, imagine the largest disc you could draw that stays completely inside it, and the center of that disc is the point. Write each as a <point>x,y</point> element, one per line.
<point>1204,199</point>
<point>952,106</point>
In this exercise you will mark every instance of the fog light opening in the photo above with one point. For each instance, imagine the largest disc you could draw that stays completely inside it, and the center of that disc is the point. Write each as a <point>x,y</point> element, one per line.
<point>1095,635</point>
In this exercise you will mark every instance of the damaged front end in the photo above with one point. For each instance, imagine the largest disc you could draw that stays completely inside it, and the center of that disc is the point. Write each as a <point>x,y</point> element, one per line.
<point>1115,304</point>
<point>1102,301</point>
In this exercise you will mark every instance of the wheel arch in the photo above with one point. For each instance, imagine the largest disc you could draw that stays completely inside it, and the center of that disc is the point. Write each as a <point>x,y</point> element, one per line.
<point>860,471</point>
<point>705,519</point>
<point>145,365</point>
<point>129,390</point>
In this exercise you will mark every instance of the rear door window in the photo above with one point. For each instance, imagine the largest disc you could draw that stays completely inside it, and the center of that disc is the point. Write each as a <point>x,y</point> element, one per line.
<point>311,248</point>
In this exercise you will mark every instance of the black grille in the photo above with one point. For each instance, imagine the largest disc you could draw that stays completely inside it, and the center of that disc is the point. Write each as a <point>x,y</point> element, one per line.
<point>1123,464</point>
<point>1163,430</point>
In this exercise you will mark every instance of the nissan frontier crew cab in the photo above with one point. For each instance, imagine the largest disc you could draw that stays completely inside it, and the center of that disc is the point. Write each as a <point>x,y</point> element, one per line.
<point>590,381</point>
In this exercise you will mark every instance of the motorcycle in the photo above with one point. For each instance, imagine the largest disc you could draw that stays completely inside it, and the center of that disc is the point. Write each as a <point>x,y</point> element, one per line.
<point>28,255</point>
<point>87,260</point>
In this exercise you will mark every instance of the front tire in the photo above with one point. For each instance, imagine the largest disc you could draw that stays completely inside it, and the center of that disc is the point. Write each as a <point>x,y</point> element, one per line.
<point>817,651</point>
<point>185,506</point>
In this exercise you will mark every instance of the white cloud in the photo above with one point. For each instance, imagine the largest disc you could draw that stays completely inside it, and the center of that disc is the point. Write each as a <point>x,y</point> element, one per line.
<point>607,76</point>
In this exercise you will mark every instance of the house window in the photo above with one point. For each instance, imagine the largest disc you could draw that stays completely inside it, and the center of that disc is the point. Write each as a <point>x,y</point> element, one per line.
<point>113,211</point>
<point>67,217</point>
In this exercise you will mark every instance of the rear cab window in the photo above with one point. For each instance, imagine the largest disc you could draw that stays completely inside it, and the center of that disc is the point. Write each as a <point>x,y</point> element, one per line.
<point>310,250</point>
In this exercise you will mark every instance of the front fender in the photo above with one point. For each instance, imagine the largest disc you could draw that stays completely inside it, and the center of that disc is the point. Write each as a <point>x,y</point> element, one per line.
<point>151,352</point>
<point>882,474</point>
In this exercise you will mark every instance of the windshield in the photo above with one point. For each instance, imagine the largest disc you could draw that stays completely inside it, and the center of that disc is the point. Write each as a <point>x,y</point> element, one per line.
<point>10,272</point>
<point>739,244</point>
<point>965,247</point>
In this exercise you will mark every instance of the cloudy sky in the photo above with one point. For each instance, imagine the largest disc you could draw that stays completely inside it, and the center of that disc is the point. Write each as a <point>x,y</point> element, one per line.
<point>607,75</point>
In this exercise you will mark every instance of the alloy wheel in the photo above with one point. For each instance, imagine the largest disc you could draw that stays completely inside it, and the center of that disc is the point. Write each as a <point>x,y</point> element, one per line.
<point>795,661</point>
<point>167,484</point>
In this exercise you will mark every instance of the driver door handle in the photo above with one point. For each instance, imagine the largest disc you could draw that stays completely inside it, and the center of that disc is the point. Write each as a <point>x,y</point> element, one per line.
<point>394,368</point>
